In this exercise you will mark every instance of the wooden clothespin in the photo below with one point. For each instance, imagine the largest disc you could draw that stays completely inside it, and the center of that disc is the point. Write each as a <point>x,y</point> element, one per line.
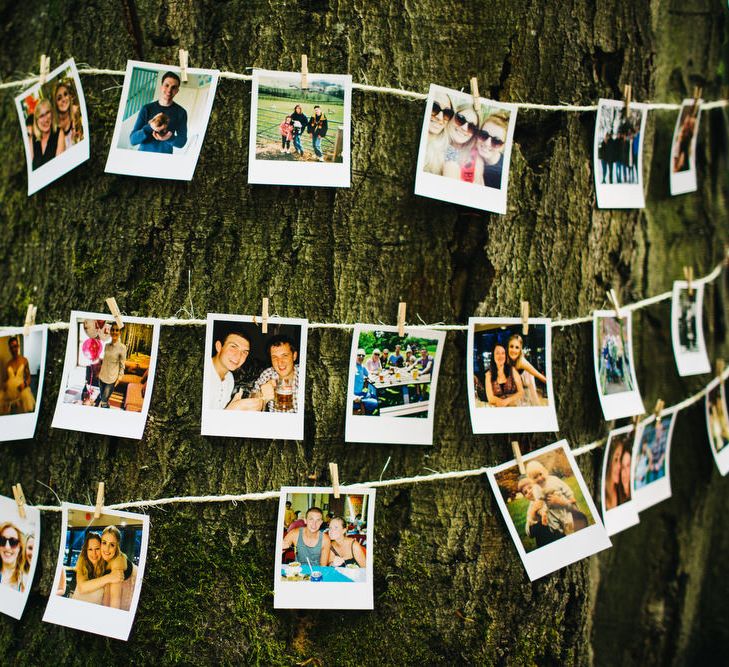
<point>264,315</point>
<point>697,101</point>
<point>184,58</point>
<point>613,298</point>
<point>525,317</point>
<point>518,457</point>
<point>45,68</point>
<point>627,94</point>
<point>99,508</point>
<point>688,274</point>
<point>719,364</point>
<point>29,319</point>
<point>660,404</point>
<point>115,312</point>
<point>304,72</point>
<point>19,499</point>
<point>474,92</point>
<point>401,309</point>
<point>334,474</point>
<point>636,420</point>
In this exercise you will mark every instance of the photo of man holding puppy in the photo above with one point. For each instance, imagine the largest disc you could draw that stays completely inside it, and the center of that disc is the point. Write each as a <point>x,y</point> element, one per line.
<point>161,125</point>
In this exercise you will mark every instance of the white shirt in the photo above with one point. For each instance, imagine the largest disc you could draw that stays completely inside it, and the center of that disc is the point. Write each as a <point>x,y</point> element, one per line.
<point>219,391</point>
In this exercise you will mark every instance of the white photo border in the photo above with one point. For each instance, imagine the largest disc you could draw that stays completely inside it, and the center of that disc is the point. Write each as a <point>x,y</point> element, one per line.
<point>624,515</point>
<point>689,363</point>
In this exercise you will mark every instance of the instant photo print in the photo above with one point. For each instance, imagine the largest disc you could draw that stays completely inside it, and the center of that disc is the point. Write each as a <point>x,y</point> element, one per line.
<point>100,570</point>
<point>19,551</point>
<point>717,424</point>
<point>687,330</point>
<point>651,468</point>
<point>509,375</point>
<point>617,384</point>
<point>465,150</point>
<point>324,548</point>
<point>54,126</point>
<point>392,385</point>
<point>22,367</point>
<point>254,384</point>
<point>683,148</point>
<point>300,136</point>
<point>548,509</point>
<point>618,154</point>
<point>618,509</point>
<point>108,375</point>
<point>161,122</point>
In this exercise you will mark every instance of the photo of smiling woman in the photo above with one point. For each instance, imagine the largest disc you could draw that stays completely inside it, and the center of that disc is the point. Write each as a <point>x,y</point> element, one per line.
<point>465,150</point>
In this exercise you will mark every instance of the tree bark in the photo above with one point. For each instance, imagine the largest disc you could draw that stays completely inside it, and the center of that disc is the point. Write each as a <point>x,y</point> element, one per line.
<point>449,586</point>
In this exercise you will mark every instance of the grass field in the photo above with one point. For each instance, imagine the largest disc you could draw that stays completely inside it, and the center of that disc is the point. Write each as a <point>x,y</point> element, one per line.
<point>518,509</point>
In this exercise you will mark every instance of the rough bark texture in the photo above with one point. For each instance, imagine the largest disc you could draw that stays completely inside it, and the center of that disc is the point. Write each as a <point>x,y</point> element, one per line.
<point>449,588</point>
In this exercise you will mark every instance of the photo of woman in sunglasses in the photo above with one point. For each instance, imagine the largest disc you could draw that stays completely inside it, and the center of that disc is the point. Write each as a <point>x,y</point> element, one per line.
<point>467,141</point>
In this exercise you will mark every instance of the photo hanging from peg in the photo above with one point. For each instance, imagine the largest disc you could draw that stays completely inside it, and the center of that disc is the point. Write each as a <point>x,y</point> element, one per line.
<point>688,274</point>
<point>474,92</point>
<point>264,315</point>
<point>184,59</point>
<point>115,312</point>
<point>401,308</point>
<point>304,72</point>
<point>45,68</point>
<point>334,475</point>
<point>525,317</point>
<point>19,499</point>
<point>627,94</point>
<point>99,507</point>
<point>29,319</point>
<point>613,298</point>
<point>518,457</point>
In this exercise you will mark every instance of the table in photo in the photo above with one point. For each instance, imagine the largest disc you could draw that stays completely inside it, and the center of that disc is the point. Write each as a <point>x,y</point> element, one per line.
<point>408,399</point>
<point>330,574</point>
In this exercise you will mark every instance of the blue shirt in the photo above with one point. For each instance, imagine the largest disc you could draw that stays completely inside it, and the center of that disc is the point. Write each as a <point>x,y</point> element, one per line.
<point>142,133</point>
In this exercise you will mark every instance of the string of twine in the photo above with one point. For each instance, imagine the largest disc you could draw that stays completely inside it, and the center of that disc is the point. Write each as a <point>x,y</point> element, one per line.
<point>398,92</point>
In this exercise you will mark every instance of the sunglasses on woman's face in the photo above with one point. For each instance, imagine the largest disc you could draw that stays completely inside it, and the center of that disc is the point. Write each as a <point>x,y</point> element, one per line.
<point>12,541</point>
<point>461,120</point>
<point>446,111</point>
<point>485,136</point>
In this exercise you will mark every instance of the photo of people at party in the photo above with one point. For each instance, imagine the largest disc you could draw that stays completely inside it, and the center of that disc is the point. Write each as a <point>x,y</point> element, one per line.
<point>716,418</point>
<point>652,452</point>
<point>112,365</point>
<point>616,481</point>
<point>20,367</point>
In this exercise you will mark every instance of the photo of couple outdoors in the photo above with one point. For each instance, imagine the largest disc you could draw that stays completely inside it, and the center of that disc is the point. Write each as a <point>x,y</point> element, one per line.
<point>100,560</point>
<point>509,367</point>
<point>17,549</point>
<point>296,124</point>
<point>251,371</point>
<point>20,361</point>
<point>393,374</point>
<point>545,501</point>
<point>324,538</point>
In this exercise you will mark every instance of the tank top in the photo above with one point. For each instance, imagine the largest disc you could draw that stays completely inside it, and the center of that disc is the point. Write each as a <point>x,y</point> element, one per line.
<point>304,551</point>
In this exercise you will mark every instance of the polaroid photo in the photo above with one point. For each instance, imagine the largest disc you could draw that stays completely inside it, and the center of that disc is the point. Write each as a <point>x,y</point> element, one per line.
<point>22,368</point>
<point>617,385</point>
<point>548,509</point>
<point>507,368</point>
<point>327,543</point>
<point>161,122</point>
<point>254,383</point>
<point>108,375</point>
<point>392,385</point>
<point>717,424</point>
<point>618,154</point>
<point>651,467</point>
<point>54,126</point>
<point>618,510</point>
<point>465,150</point>
<point>687,330</point>
<point>19,549</point>
<point>683,148</point>
<point>100,571</point>
<point>300,136</point>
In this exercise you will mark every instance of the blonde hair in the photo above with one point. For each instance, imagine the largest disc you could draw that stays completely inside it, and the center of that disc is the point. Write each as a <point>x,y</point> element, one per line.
<point>499,118</point>
<point>464,106</point>
<point>19,567</point>
<point>36,130</point>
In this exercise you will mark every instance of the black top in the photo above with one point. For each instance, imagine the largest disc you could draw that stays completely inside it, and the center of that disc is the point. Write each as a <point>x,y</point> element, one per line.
<point>39,157</point>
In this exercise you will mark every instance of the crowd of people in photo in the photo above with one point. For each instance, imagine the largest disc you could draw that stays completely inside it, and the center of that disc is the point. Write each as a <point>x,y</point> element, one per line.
<point>103,574</point>
<point>323,541</point>
<point>465,143</point>
<point>295,124</point>
<point>618,155</point>
<point>16,396</point>
<point>617,475</point>
<point>368,371</point>
<point>16,552</point>
<point>509,380</point>
<point>274,389</point>
<point>54,124</point>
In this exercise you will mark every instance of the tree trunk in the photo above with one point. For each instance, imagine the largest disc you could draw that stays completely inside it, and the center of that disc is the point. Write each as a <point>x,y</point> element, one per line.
<point>449,586</point>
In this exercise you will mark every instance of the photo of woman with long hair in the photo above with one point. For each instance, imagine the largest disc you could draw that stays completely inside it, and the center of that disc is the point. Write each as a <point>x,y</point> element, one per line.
<point>67,113</point>
<point>502,382</point>
<point>90,570</point>
<point>119,592</point>
<point>515,350</point>
<point>12,554</point>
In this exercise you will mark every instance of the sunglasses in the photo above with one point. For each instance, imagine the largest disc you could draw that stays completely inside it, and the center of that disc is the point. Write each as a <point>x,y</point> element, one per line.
<point>482,135</point>
<point>12,541</point>
<point>446,111</point>
<point>461,120</point>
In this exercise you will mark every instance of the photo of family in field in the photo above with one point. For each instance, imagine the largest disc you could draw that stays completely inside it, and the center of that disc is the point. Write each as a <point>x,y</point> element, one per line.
<point>162,120</point>
<point>687,332</point>
<point>324,541</point>
<point>54,123</point>
<point>683,150</point>
<point>467,141</point>
<point>99,571</point>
